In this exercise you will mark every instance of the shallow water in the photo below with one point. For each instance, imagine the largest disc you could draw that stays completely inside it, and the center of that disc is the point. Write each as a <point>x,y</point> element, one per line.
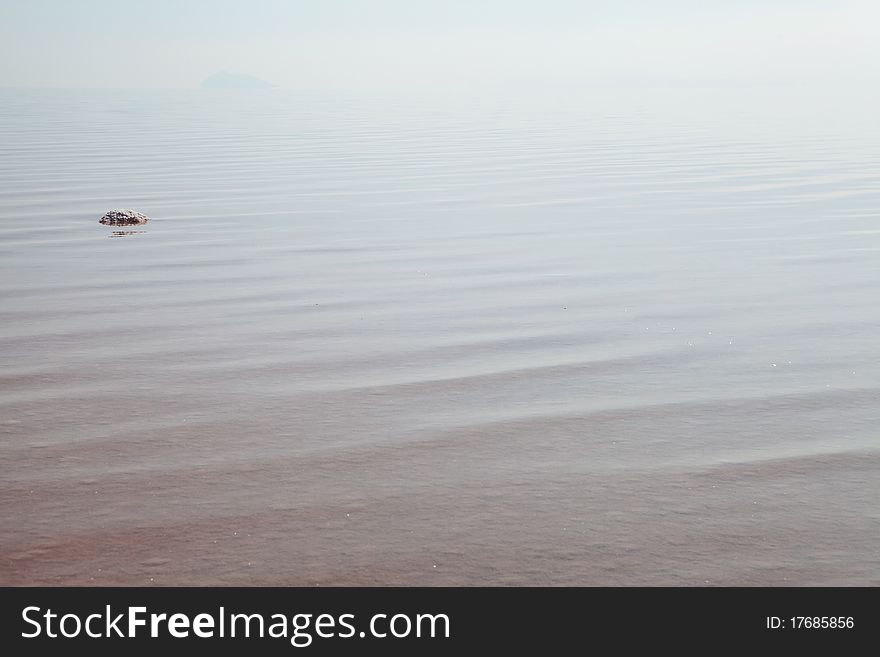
<point>593,337</point>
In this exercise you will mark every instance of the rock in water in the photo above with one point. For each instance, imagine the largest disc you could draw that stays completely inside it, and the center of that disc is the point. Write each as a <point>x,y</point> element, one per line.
<point>124,218</point>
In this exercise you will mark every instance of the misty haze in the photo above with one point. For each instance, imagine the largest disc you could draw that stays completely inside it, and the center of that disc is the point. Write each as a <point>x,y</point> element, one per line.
<point>450,293</point>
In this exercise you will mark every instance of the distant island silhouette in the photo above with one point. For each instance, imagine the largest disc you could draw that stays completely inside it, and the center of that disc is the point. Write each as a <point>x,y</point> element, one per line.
<point>227,80</point>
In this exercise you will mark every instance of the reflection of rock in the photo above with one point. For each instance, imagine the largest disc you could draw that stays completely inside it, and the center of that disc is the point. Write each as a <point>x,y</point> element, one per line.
<point>126,233</point>
<point>124,218</point>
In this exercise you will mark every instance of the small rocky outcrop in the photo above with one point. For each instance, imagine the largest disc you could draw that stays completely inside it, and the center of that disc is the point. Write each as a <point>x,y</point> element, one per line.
<point>124,218</point>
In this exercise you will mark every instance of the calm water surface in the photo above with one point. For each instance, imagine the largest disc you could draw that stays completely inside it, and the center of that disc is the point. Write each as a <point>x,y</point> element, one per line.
<point>597,337</point>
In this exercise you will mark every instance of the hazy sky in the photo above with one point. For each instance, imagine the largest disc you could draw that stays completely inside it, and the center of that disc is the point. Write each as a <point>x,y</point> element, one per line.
<point>381,43</point>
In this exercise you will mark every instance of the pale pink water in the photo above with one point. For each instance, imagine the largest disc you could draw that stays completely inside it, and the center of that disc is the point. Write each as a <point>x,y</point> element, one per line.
<point>593,339</point>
